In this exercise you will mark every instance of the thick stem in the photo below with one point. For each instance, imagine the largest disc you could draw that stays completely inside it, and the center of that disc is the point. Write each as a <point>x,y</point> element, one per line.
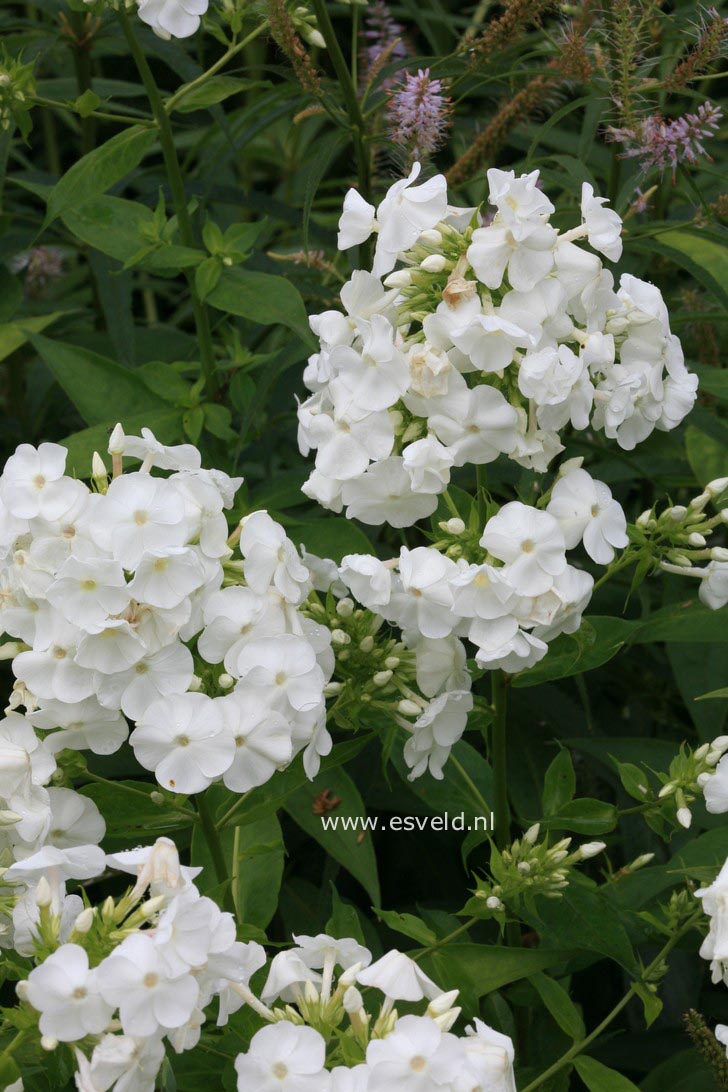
<point>81,49</point>
<point>207,823</point>
<point>499,758</point>
<point>179,198</point>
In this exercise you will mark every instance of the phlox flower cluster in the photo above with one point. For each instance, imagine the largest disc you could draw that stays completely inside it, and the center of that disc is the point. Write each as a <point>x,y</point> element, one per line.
<point>126,602</point>
<point>486,340</point>
<point>325,1036</point>
<point>129,978</point>
<point>508,589</point>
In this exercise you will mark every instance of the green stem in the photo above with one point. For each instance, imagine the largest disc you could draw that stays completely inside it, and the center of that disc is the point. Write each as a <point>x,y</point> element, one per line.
<point>232,812</point>
<point>499,758</point>
<point>207,823</point>
<point>81,49</point>
<point>615,567</point>
<point>450,937</point>
<point>179,198</point>
<point>122,119</point>
<point>351,98</point>
<point>579,1047</point>
<point>14,1044</point>
<point>477,795</point>
<point>130,790</point>
<point>174,101</point>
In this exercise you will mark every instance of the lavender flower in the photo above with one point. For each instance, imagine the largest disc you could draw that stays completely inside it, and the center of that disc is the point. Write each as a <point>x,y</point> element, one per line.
<point>383,38</point>
<point>419,115</point>
<point>661,143</point>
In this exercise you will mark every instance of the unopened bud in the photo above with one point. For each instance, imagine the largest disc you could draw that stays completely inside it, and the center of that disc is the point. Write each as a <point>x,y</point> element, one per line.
<point>349,977</point>
<point>98,468</point>
<point>667,790</point>
<point>697,504</point>
<point>392,663</point>
<point>85,920</point>
<point>9,650</point>
<point>684,817</point>
<point>21,989</point>
<point>338,637</point>
<point>677,513</point>
<point>116,441</point>
<point>345,608</point>
<point>434,263</point>
<point>382,678</point>
<point>696,539</point>
<point>333,688</point>
<point>157,798</point>
<point>226,682</point>
<point>645,518</point>
<point>591,849</point>
<point>367,643</point>
<point>717,486</point>
<point>532,834</point>
<point>195,684</point>
<point>431,236</point>
<point>455,526</point>
<point>352,1000</point>
<point>641,861</point>
<point>152,906</point>
<point>494,903</point>
<point>408,708</point>
<point>48,1043</point>
<point>719,553</point>
<point>442,1003</point>
<point>720,743</point>
<point>43,893</point>
<point>401,278</point>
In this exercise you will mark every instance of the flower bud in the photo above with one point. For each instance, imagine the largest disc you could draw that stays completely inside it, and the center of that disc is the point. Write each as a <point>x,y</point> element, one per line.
<point>339,637</point>
<point>226,682</point>
<point>719,553</point>
<point>392,663</point>
<point>720,743</point>
<point>684,817</point>
<point>333,688</point>
<point>345,608</point>
<point>696,539</point>
<point>703,779</point>
<point>645,518</point>
<point>352,1000</point>
<point>455,526</point>
<point>367,643</point>
<point>717,486</point>
<point>401,278</point>
<point>532,834</point>
<point>431,236</point>
<point>195,684</point>
<point>382,678</point>
<point>442,1003</point>
<point>591,849</point>
<point>349,977</point>
<point>98,469</point>
<point>697,504</point>
<point>494,903</point>
<point>434,263</point>
<point>152,906</point>
<point>702,751</point>
<point>85,920</point>
<point>21,989</point>
<point>667,790</point>
<point>116,441</point>
<point>677,513</point>
<point>48,1043</point>
<point>641,861</point>
<point>43,893</point>
<point>408,708</point>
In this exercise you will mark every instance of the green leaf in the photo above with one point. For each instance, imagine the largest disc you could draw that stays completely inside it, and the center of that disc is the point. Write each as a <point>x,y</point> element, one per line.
<point>207,275</point>
<point>132,817</point>
<point>408,925</point>
<point>585,918</point>
<point>559,784</point>
<point>344,920</point>
<point>214,90</point>
<point>127,231</point>
<point>97,386</point>
<point>464,792</point>
<point>599,1078</point>
<point>584,816</point>
<point>100,169</point>
<point>594,644</point>
<point>697,253</point>
<point>86,103</point>
<point>329,537</point>
<point>560,1005</point>
<point>482,968</point>
<point>352,848</point>
<point>13,335</point>
<point>262,298</point>
<point>722,693</point>
<point>708,458</point>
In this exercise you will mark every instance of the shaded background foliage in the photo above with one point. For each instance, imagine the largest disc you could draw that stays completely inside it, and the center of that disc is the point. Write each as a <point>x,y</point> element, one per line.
<point>96,324</point>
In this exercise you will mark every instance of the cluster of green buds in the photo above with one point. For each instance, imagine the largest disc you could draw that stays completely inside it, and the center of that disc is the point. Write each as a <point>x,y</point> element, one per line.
<point>434,271</point>
<point>17,87</point>
<point>677,537</point>
<point>305,24</point>
<point>97,929</point>
<point>687,776</point>
<point>373,670</point>
<point>679,787</point>
<point>525,869</point>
